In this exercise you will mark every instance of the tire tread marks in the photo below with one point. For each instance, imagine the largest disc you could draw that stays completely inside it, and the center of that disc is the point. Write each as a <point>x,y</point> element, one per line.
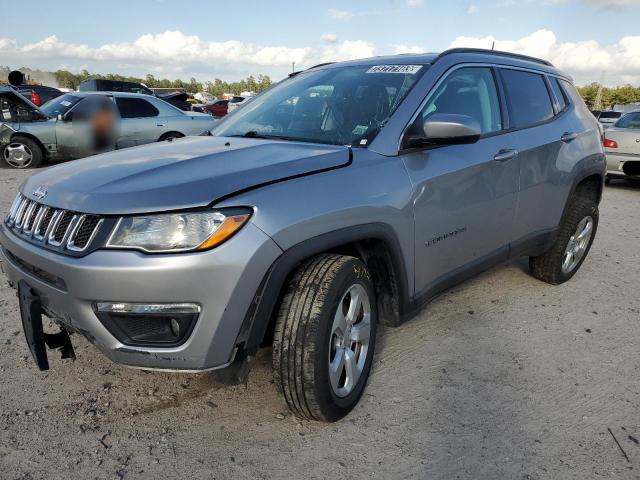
<point>294,346</point>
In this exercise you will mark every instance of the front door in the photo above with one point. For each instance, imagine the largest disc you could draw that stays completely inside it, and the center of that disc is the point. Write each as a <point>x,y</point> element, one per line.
<point>464,195</point>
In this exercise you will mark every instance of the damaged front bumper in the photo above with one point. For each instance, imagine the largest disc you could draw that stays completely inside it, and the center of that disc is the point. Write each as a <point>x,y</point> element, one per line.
<point>222,281</point>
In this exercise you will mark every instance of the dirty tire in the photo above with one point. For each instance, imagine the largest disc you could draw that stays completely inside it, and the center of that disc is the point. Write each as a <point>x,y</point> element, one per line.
<point>32,147</point>
<point>303,335</point>
<point>548,266</point>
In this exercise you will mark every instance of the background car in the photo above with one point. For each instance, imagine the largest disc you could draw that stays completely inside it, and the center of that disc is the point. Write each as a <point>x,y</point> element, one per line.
<point>177,99</point>
<point>622,147</point>
<point>235,102</point>
<point>218,108</point>
<point>608,118</point>
<point>30,135</point>
<point>39,94</point>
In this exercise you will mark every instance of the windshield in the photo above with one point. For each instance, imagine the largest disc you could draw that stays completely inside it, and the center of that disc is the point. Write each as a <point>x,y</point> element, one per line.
<point>344,106</point>
<point>60,105</point>
<point>630,120</point>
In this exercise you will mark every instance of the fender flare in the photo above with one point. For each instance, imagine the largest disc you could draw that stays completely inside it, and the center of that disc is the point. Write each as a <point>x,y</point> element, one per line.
<point>258,318</point>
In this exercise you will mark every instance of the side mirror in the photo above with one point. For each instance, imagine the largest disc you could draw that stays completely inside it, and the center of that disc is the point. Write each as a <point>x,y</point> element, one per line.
<point>445,129</point>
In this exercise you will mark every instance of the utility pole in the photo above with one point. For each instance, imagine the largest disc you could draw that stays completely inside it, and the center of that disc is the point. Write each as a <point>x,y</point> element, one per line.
<point>597,103</point>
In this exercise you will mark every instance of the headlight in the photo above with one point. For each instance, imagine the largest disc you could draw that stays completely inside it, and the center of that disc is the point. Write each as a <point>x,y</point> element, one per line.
<point>177,232</point>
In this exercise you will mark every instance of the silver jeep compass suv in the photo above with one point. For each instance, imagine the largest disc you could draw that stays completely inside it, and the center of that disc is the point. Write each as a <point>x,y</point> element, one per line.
<point>345,196</point>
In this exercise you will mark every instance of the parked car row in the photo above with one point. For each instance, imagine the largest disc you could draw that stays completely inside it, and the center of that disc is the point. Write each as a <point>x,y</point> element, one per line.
<point>30,134</point>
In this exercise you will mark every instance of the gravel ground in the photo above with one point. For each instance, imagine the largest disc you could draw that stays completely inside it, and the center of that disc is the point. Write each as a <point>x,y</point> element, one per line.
<point>502,377</point>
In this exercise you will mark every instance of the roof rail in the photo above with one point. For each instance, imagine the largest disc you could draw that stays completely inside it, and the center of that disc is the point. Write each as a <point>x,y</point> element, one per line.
<point>493,52</point>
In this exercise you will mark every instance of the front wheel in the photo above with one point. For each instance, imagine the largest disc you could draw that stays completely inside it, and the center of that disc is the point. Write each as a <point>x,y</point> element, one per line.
<point>572,243</point>
<point>325,337</point>
<point>22,152</point>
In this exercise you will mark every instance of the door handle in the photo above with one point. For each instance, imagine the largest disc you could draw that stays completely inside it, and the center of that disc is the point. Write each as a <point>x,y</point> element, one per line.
<point>568,136</point>
<point>505,155</point>
<point>159,124</point>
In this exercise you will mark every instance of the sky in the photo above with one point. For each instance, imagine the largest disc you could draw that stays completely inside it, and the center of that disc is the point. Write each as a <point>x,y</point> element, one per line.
<point>590,39</point>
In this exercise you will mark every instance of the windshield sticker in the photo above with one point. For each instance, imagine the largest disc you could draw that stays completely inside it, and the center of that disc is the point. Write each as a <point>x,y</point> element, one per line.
<point>363,141</point>
<point>360,130</point>
<point>65,103</point>
<point>410,69</point>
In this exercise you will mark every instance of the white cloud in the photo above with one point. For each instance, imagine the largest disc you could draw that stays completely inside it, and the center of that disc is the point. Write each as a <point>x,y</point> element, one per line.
<point>329,37</point>
<point>603,3</point>
<point>347,50</point>
<point>472,9</point>
<point>585,60</point>
<point>334,14</point>
<point>174,54</point>
<point>414,3</point>
<point>399,49</point>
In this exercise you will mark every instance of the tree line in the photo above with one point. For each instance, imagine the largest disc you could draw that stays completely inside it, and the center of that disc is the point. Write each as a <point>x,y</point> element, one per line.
<point>610,96</point>
<point>216,87</point>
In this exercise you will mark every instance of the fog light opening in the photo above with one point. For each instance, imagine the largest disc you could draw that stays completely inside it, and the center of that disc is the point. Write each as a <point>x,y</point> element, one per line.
<point>139,324</point>
<point>175,328</point>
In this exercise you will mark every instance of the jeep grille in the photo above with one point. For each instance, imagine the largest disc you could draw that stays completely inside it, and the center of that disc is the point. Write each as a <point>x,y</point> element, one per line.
<point>50,226</point>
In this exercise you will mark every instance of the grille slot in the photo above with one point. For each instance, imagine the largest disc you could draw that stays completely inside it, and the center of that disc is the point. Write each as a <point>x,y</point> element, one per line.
<point>60,229</point>
<point>44,224</point>
<point>87,228</point>
<point>28,224</point>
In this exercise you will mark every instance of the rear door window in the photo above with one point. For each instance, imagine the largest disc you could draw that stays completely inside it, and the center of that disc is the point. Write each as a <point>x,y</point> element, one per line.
<point>528,97</point>
<point>135,108</point>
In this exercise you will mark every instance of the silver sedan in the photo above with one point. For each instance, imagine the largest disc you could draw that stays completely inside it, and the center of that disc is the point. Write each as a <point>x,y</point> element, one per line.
<point>30,135</point>
<point>622,147</point>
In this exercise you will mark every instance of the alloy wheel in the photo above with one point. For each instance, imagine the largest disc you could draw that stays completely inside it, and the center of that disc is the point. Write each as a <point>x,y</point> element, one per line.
<point>577,245</point>
<point>349,341</point>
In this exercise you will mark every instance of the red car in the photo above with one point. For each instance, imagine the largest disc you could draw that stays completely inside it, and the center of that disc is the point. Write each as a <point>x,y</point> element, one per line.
<point>218,109</point>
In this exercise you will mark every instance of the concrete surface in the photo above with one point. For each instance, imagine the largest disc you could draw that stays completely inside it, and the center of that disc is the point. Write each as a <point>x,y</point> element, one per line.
<point>503,377</point>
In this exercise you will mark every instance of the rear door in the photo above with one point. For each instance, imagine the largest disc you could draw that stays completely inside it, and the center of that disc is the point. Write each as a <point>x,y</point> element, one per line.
<point>464,195</point>
<point>140,122</point>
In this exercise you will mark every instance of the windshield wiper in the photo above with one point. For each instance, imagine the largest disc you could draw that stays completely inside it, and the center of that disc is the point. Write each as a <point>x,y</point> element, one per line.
<point>255,134</point>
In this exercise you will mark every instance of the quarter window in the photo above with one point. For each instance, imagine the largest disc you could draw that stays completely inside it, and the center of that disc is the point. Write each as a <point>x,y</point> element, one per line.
<point>135,108</point>
<point>528,97</point>
<point>559,93</point>
<point>468,91</point>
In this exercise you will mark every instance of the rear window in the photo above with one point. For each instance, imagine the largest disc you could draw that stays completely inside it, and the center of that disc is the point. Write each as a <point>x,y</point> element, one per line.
<point>559,93</point>
<point>528,97</point>
<point>610,115</point>
<point>135,108</point>
<point>630,120</point>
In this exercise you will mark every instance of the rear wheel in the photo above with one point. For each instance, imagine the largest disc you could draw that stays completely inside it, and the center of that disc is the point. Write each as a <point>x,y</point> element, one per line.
<point>170,136</point>
<point>325,337</point>
<point>572,243</point>
<point>22,152</point>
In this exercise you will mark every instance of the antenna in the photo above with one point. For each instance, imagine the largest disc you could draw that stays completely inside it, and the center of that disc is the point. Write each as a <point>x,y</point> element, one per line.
<point>493,45</point>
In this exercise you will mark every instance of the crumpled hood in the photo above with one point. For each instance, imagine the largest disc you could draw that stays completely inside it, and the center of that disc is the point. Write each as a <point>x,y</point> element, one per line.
<point>186,173</point>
